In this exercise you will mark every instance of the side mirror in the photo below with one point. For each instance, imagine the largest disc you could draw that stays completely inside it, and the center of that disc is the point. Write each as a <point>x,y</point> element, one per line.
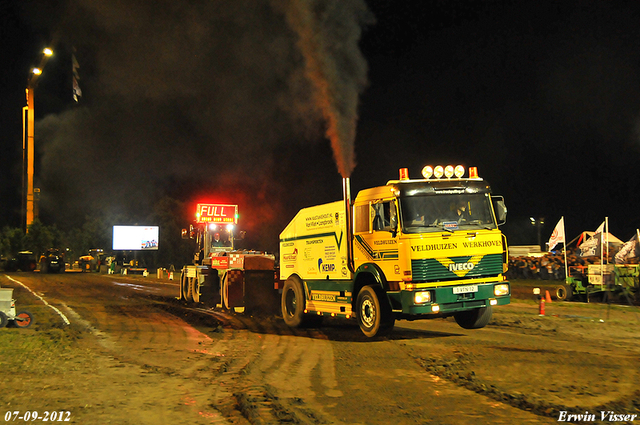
<point>500,209</point>
<point>393,221</point>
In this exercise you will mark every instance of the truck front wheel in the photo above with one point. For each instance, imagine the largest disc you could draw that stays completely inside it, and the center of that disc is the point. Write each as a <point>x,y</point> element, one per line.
<point>292,302</point>
<point>374,317</point>
<point>474,319</point>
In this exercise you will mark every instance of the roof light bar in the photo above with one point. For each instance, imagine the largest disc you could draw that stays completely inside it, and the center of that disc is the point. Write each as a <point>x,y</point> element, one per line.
<point>448,171</point>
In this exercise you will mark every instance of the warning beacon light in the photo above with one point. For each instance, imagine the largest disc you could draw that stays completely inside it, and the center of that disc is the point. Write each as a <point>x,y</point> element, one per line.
<point>404,174</point>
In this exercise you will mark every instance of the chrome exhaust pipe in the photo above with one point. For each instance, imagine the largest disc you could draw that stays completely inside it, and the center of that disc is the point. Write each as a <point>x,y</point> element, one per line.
<point>346,191</point>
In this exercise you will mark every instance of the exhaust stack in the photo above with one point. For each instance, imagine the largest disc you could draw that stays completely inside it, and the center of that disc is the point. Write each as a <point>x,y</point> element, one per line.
<point>346,191</point>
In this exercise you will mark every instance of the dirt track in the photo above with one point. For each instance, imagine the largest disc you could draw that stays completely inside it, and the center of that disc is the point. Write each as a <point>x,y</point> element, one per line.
<point>129,358</point>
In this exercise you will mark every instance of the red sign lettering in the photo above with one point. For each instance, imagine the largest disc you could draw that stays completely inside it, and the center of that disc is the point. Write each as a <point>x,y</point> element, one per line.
<point>217,214</point>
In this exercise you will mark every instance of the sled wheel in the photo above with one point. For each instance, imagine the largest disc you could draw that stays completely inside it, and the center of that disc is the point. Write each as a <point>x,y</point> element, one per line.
<point>185,288</point>
<point>3,320</point>
<point>225,291</point>
<point>24,319</point>
<point>195,289</point>
<point>474,319</point>
<point>292,302</point>
<point>373,312</point>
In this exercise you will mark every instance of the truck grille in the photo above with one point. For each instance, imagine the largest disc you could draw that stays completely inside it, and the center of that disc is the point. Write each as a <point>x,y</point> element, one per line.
<point>452,268</point>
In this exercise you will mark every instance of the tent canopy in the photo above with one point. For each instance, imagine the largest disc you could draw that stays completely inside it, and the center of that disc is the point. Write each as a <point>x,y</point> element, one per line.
<point>586,235</point>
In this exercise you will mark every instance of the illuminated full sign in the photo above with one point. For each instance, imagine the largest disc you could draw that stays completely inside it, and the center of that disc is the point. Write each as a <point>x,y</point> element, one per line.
<point>217,214</point>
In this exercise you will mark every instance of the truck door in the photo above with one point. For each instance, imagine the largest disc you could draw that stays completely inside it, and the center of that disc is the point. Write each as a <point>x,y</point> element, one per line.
<point>377,243</point>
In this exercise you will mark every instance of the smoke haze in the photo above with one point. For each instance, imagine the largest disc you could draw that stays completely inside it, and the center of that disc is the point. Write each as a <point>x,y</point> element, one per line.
<point>201,98</point>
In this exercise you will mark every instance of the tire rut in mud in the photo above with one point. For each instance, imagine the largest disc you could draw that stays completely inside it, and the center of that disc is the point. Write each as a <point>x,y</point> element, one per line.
<point>241,395</point>
<point>456,370</point>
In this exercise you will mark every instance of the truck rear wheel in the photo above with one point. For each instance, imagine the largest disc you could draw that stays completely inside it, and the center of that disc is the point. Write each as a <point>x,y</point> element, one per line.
<point>474,319</point>
<point>292,302</point>
<point>373,312</point>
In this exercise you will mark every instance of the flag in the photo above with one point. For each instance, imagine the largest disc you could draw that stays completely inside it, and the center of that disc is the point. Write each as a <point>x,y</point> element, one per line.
<point>600,229</point>
<point>590,247</point>
<point>557,236</point>
<point>630,249</point>
<point>593,246</point>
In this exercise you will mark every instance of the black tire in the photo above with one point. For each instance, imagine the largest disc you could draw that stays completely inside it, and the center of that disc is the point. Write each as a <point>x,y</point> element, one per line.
<point>374,312</point>
<point>184,288</point>
<point>224,291</point>
<point>3,320</point>
<point>292,303</point>
<point>195,289</point>
<point>564,292</point>
<point>474,319</point>
<point>23,320</point>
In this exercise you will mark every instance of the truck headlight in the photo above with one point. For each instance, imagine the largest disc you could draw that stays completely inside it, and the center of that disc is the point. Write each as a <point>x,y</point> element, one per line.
<point>501,289</point>
<point>422,297</point>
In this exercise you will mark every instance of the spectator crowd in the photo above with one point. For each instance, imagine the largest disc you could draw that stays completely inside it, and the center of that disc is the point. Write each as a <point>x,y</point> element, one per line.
<point>549,266</point>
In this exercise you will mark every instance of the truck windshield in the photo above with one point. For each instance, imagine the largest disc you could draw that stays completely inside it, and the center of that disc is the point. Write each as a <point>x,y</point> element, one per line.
<point>450,212</point>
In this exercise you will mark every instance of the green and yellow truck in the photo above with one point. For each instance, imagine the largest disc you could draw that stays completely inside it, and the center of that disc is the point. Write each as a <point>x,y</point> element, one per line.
<point>411,249</point>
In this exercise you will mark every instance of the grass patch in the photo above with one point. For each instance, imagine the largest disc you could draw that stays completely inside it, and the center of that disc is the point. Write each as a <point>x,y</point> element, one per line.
<point>41,348</point>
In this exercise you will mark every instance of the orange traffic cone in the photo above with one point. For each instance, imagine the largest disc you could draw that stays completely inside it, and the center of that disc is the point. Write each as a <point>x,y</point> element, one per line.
<point>547,297</point>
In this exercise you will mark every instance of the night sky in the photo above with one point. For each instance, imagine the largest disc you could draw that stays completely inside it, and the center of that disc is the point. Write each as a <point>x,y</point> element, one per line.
<point>208,100</point>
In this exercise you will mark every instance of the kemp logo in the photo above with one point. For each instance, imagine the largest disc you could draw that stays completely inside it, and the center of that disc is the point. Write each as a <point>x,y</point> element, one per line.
<point>292,256</point>
<point>328,267</point>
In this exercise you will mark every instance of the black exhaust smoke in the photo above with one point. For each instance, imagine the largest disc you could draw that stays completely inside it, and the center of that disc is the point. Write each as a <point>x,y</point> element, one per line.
<point>328,34</point>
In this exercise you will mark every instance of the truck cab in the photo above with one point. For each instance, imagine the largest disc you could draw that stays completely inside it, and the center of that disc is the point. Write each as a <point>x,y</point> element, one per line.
<point>429,236</point>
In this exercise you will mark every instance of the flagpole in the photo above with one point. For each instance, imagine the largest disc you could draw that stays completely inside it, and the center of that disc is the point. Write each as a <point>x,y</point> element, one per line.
<point>606,219</point>
<point>602,251</point>
<point>566,266</point>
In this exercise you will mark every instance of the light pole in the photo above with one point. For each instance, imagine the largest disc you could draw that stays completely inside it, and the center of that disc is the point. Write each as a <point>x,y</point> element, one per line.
<point>29,111</point>
<point>538,225</point>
